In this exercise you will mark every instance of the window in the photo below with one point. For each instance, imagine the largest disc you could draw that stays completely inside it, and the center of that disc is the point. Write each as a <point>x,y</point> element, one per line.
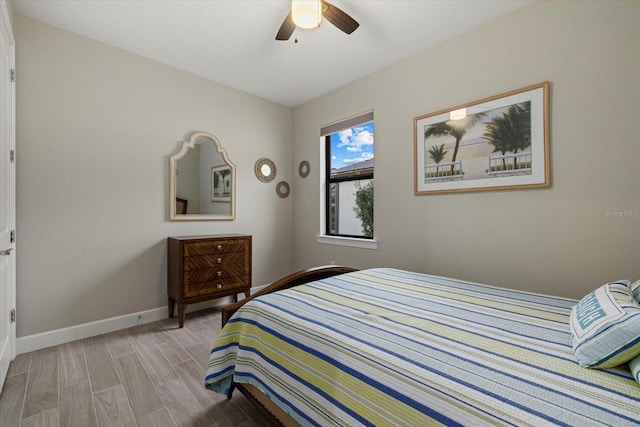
<point>348,189</point>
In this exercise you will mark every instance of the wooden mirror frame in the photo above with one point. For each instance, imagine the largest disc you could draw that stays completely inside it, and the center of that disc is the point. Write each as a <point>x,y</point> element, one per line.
<point>185,147</point>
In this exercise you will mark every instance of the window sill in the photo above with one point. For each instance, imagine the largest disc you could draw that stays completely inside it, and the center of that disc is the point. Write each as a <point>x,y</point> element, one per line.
<point>347,241</point>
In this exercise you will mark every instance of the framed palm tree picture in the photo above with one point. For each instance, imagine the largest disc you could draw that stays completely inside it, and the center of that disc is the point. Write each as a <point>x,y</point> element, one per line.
<point>496,143</point>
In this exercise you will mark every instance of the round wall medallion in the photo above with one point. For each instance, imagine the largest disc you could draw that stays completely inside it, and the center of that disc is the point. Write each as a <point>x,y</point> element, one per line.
<point>283,189</point>
<point>265,170</point>
<point>304,168</point>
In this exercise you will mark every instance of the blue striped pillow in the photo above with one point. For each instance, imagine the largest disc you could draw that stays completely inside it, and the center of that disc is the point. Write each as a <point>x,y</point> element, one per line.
<point>635,290</point>
<point>634,365</point>
<point>605,326</point>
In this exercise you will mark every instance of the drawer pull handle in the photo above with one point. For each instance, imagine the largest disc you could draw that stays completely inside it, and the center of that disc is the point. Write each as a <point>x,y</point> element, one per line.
<point>219,247</point>
<point>219,260</point>
<point>219,285</point>
<point>219,273</point>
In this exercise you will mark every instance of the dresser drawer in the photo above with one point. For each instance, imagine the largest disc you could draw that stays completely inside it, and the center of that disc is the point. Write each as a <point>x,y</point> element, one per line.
<point>215,261</point>
<point>214,247</point>
<point>221,285</point>
<point>213,273</point>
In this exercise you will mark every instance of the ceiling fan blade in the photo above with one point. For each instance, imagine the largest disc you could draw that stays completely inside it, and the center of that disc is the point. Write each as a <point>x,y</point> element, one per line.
<point>286,29</point>
<point>339,18</point>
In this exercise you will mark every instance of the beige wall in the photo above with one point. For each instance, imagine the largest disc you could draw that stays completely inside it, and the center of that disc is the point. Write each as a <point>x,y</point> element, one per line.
<point>96,126</point>
<point>95,129</point>
<point>557,240</point>
<point>9,7</point>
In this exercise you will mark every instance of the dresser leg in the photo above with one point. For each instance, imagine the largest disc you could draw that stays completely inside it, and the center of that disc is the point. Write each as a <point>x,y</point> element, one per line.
<point>247,293</point>
<point>181,308</point>
<point>171,305</point>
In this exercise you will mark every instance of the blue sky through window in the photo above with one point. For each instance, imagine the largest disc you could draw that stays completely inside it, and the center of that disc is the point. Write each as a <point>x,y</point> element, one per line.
<point>352,145</point>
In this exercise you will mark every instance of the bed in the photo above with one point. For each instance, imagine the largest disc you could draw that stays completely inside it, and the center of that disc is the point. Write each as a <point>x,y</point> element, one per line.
<point>387,347</point>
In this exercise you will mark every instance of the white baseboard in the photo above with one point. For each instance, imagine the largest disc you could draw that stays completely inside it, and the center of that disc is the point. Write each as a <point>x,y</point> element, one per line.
<point>72,333</point>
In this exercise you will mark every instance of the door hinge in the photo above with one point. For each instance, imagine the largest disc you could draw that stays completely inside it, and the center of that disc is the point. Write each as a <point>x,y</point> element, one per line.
<point>12,75</point>
<point>13,315</point>
<point>12,236</point>
<point>12,156</point>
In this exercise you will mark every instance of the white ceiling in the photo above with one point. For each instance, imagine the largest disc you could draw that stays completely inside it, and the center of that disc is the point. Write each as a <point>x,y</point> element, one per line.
<point>233,41</point>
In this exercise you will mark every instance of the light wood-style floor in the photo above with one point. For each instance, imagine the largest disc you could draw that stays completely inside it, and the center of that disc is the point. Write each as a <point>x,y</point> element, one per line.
<point>147,375</point>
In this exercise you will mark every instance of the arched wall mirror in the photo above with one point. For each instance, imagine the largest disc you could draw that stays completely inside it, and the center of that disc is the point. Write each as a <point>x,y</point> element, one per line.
<point>202,181</point>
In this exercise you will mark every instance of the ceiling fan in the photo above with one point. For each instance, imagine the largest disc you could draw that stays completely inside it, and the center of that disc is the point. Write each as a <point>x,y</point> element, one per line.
<point>309,13</point>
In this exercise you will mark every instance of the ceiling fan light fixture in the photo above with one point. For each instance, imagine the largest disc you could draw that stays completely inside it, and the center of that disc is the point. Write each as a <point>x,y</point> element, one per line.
<point>306,13</point>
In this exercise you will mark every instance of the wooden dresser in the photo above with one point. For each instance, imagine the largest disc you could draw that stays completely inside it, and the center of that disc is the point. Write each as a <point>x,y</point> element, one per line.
<point>201,268</point>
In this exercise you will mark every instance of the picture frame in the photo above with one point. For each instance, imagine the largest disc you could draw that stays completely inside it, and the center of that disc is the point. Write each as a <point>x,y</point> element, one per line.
<point>221,184</point>
<point>496,143</point>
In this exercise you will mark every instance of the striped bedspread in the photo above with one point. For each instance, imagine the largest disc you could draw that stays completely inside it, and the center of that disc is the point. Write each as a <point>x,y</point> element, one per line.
<point>387,347</point>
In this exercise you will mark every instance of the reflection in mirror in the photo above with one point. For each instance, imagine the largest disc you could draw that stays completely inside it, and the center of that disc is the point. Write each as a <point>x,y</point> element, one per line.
<point>202,180</point>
